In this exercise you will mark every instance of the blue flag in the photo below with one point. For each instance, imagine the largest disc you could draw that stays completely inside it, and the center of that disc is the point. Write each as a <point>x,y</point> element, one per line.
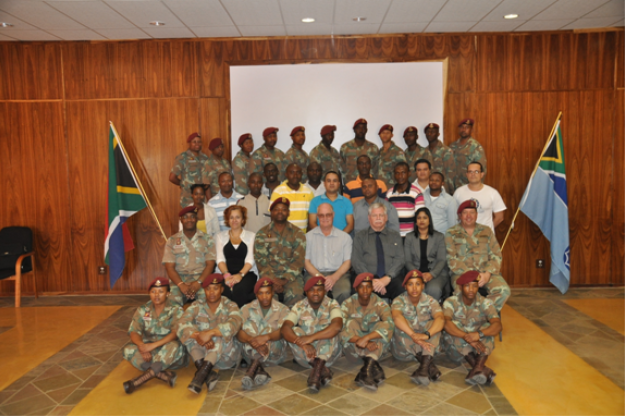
<point>545,202</point>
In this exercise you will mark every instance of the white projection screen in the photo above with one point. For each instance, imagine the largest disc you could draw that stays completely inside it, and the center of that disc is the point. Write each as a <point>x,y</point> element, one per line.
<point>314,95</point>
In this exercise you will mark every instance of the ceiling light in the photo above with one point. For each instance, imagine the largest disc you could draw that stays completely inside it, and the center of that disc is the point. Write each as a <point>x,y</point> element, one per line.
<point>511,16</point>
<point>308,19</point>
<point>5,25</point>
<point>359,19</point>
<point>157,23</point>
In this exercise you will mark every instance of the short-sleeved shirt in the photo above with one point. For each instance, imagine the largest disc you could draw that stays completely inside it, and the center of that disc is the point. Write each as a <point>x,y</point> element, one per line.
<point>469,318</point>
<point>189,167</point>
<point>328,253</point>
<point>257,212</point>
<point>242,166</point>
<point>443,209</point>
<point>479,251</point>
<point>420,316</point>
<point>299,157</point>
<point>350,152</point>
<point>353,189</point>
<point>413,156</point>
<point>199,317</point>
<point>341,205</point>
<point>471,151</point>
<point>329,159</point>
<point>386,164</point>
<point>213,167</point>
<point>407,203</point>
<point>443,161</point>
<point>376,317</point>
<point>300,202</point>
<point>152,327</point>
<point>262,156</point>
<point>221,203</point>
<point>488,201</point>
<point>189,255</point>
<point>274,317</point>
<point>311,321</point>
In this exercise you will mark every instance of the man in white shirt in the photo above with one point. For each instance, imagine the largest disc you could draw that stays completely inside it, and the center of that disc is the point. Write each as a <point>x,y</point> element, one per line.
<point>423,168</point>
<point>490,205</point>
<point>314,179</point>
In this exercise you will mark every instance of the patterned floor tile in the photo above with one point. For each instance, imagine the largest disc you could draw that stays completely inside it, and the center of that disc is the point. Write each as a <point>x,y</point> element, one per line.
<point>353,404</point>
<point>412,402</point>
<point>235,406</point>
<point>385,392</point>
<point>323,410</point>
<point>385,410</point>
<point>294,404</point>
<point>263,411</point>
<point>444,409</point>
<point>477,403</point>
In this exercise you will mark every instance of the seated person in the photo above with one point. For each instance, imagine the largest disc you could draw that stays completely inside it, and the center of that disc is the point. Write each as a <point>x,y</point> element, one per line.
<point>272,178</point>
<point>342,207</point>
<point>312,329</point>
<point>442,205</point>
<point>361,208</point>
<point>208,330</point>
<point>299,195</point>
<point>471,324</point>
<point>207,220</point>
<point>418,323</point>
<point>225,198</point>
<point>424,250</point>
<point>260,337</point>
<point>367,331</point>
<point>353,189</point>
<point>256,203</point>
<point>154,348</point>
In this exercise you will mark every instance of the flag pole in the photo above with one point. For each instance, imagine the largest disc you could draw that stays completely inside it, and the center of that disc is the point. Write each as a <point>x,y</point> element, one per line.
<point>119,139</point>
<point>553,129</point>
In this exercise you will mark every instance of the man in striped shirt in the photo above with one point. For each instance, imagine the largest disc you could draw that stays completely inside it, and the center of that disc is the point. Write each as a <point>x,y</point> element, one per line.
<point>299,195</point>
<point>225,198</point>
<point>406,198</point>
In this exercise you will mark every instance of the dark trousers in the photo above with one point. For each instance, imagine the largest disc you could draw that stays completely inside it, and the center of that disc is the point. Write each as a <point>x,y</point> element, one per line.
<point>243,292</point>
<point>393,289</point>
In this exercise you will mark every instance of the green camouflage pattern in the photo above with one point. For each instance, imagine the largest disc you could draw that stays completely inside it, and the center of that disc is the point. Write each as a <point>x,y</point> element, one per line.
<point>413,156</point>
<point>329,159</point>
<point>350,153</point>
<point>420,318</point>
<point>262,156</point>
<point>242,166</point>
<point>189,169</point>
<point>214,166</point>
<point>463,156</point>
<point>443,161</point>
<point>386,164</point>
<point>301,158</point>
<point>256,324</point>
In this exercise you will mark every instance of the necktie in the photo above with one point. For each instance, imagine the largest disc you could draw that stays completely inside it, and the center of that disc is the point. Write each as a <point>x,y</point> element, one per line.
<point>381,271</point>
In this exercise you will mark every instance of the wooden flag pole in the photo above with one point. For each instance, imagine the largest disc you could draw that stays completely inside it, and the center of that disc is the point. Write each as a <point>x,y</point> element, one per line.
<point>553,129</point>
<point>119,139</point>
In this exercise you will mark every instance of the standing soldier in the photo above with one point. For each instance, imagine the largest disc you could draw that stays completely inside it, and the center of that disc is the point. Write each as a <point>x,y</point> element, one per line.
<point>350,151</point>
<point>269,153</point>
<point>297,155</point>
<point>208,331</point>
<point>367,331</point>
<point>414,151</point>
<point>187,169</point>
<point>262,343</point>
<point>215,165</point>
<point>324,154</point>
<point>442,157</point>
<point>279,252</point>
<point>471,322</point>
<point>189,257</point>
<point>312,329</point>
<point>389,156</point>
<point>466,150</point>
<point>418,323</point>
<point>243,164</point>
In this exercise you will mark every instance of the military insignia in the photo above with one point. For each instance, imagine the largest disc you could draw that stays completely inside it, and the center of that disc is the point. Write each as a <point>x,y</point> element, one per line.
<point>179,242</point>
<point>431,125</point>
<point>146,316</point>
<point>415,275</point>
<point>215,281</point>
<point>158,283</point>
<point>320,282</point>
<point>266,284</point>
<point>367,279</point>
<point>284,200</point>
<point>268,234</point>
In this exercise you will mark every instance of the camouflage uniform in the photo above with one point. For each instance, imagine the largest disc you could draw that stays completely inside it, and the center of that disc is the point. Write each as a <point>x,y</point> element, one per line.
<point>198,318</point>
<point>189,168</point>
<point>256,324</point>
<point>301,158</point>
<point>468,319</point>
<point>307,322</point>
<point>386,164</point>
<point>263,156</point>
<point>190,257</point>
<point>214,166</point>
<point>360,321</point>
<point>478,252</point>
<point>281,255</point>
<point>443,161</point>
<point>420,319</point>
<point>413,156</point>
<point>463,156</point>
<point>150,328</point>
<point>350,153</point>
<point>330,160</point>
<point>242,166</point>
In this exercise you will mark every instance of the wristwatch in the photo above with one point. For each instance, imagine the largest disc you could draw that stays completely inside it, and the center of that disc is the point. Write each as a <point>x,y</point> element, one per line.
<point>480,334</point>
<point>427,334</point>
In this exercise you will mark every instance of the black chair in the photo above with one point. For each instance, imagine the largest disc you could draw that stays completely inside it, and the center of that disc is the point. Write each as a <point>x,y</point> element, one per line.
<point>17,257</point>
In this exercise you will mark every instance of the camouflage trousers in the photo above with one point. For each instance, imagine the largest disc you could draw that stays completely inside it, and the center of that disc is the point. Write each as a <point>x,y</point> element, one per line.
<point>171,355</point>
<point>293,291</point>
<point>498,290</point>
<point>327,349</point>
<point>224,355</point>
<point>405,349</point>
<point>177,297</point>
<point>456,348</point>
<point>277,349</point>
<point>353,352</point>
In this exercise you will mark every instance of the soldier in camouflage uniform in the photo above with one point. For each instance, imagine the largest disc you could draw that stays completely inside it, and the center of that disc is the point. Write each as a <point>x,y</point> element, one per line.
<point>472,246</point>
<point>215,165</point>
<point>312,329</point>
<point>418,323</point>
<point>260,337</point>
<point>389,156</point>
<point>324,154</point>
<point>243,164</point>
<point>297,155</point>
<point>154,348</point>
<point>208,331</point>
<point>188,258</point>
<point>414,151</point>
<point>269,153</point>
<point>367,331</point>
<point>442,157</point>
<point>466,150</point>
<point>279,252</point>
<point>471,322</point>
<point>187,169</point>
<point>350,151</point>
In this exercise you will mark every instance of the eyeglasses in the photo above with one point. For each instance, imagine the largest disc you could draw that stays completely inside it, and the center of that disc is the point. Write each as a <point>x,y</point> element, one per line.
<point>325,216</point>
<point>474,172</point>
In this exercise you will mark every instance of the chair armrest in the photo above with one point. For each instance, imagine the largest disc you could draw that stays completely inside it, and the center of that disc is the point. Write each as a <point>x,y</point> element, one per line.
<point>18,264</point>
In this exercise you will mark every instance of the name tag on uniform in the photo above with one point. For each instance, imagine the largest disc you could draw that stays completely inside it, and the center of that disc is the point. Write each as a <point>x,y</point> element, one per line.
<point>202,315</point>
<point>147,317</point>
<point>271,239</point>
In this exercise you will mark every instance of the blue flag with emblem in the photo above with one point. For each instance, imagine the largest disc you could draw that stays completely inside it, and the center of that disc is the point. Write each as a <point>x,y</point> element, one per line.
<point>545,202</point>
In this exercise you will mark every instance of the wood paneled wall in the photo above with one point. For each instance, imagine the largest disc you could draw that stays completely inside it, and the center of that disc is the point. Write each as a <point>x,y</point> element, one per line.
<point>56,99</point>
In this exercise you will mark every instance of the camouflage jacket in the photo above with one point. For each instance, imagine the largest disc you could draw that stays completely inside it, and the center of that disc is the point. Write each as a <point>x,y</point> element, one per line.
<point>376,317</point>
<point>330,160</point>
<point>152,328</point>
<point>303,315</point>
<point>274,318</point>
<point>301,158</point>
<point>280,255</point>
<point>214,166</point>
<point>350,153</point>
<point>443,161</point>
<point>189,168</point>
<point>469,318</point>
<point>418,317</point>
<point>242,166</point>
<point>413,156</point>
<point>263,156</point>
<point>478,252</point>
<point>463,156</point>
<point>189,255</point>
<point>386,164</point>
<point>199,317</point>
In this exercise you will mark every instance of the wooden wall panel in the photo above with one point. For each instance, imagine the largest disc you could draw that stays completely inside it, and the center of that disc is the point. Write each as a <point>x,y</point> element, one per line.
<point>172,69</point>
<point>30,71</point>
<point>619,63</point>
<point>618,192</point>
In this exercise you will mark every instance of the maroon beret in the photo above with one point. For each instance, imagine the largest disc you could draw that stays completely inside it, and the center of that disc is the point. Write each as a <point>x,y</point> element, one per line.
<point>243,138</point>
<point>415,273</point>
<point>189,209</point>
<point>467,277</point>
<point>263,282</point>
<point>364,277</point>
<point>215,143</point>
<point>158,282</point>
<point>314,281</point>
<point>297,129</point>
<point>280,200</point>
<point>432,126</point>
<point>466,122</point>
<point>213,279</point>
<point>193,136</point>
<point>467,204</point>
<point>327,129</point>
<point>386,127</point>
<point>269,131</point>
<point>359,121</point>
<point>409,129</point>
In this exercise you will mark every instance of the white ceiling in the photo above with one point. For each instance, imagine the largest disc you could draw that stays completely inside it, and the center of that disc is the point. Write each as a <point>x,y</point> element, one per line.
<point>130,19</point>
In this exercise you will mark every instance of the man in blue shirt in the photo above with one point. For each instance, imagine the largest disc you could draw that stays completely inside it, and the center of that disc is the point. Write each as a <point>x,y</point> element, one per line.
<point>225,198</point>
<point>442,206</point>
<point>343,208</point>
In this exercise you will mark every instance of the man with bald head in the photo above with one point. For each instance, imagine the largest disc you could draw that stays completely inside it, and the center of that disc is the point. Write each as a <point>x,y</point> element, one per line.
<point>297,193</point>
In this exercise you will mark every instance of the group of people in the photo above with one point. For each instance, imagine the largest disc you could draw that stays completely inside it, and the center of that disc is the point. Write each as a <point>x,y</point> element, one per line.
<point>359,259</point>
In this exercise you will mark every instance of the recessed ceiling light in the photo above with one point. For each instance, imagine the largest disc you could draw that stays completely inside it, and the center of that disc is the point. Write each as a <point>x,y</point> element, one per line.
<point>511,16</point>
<point>157,23</point>
<point>5,25</point>
<point>308,19</point>
<point>359,19</point>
